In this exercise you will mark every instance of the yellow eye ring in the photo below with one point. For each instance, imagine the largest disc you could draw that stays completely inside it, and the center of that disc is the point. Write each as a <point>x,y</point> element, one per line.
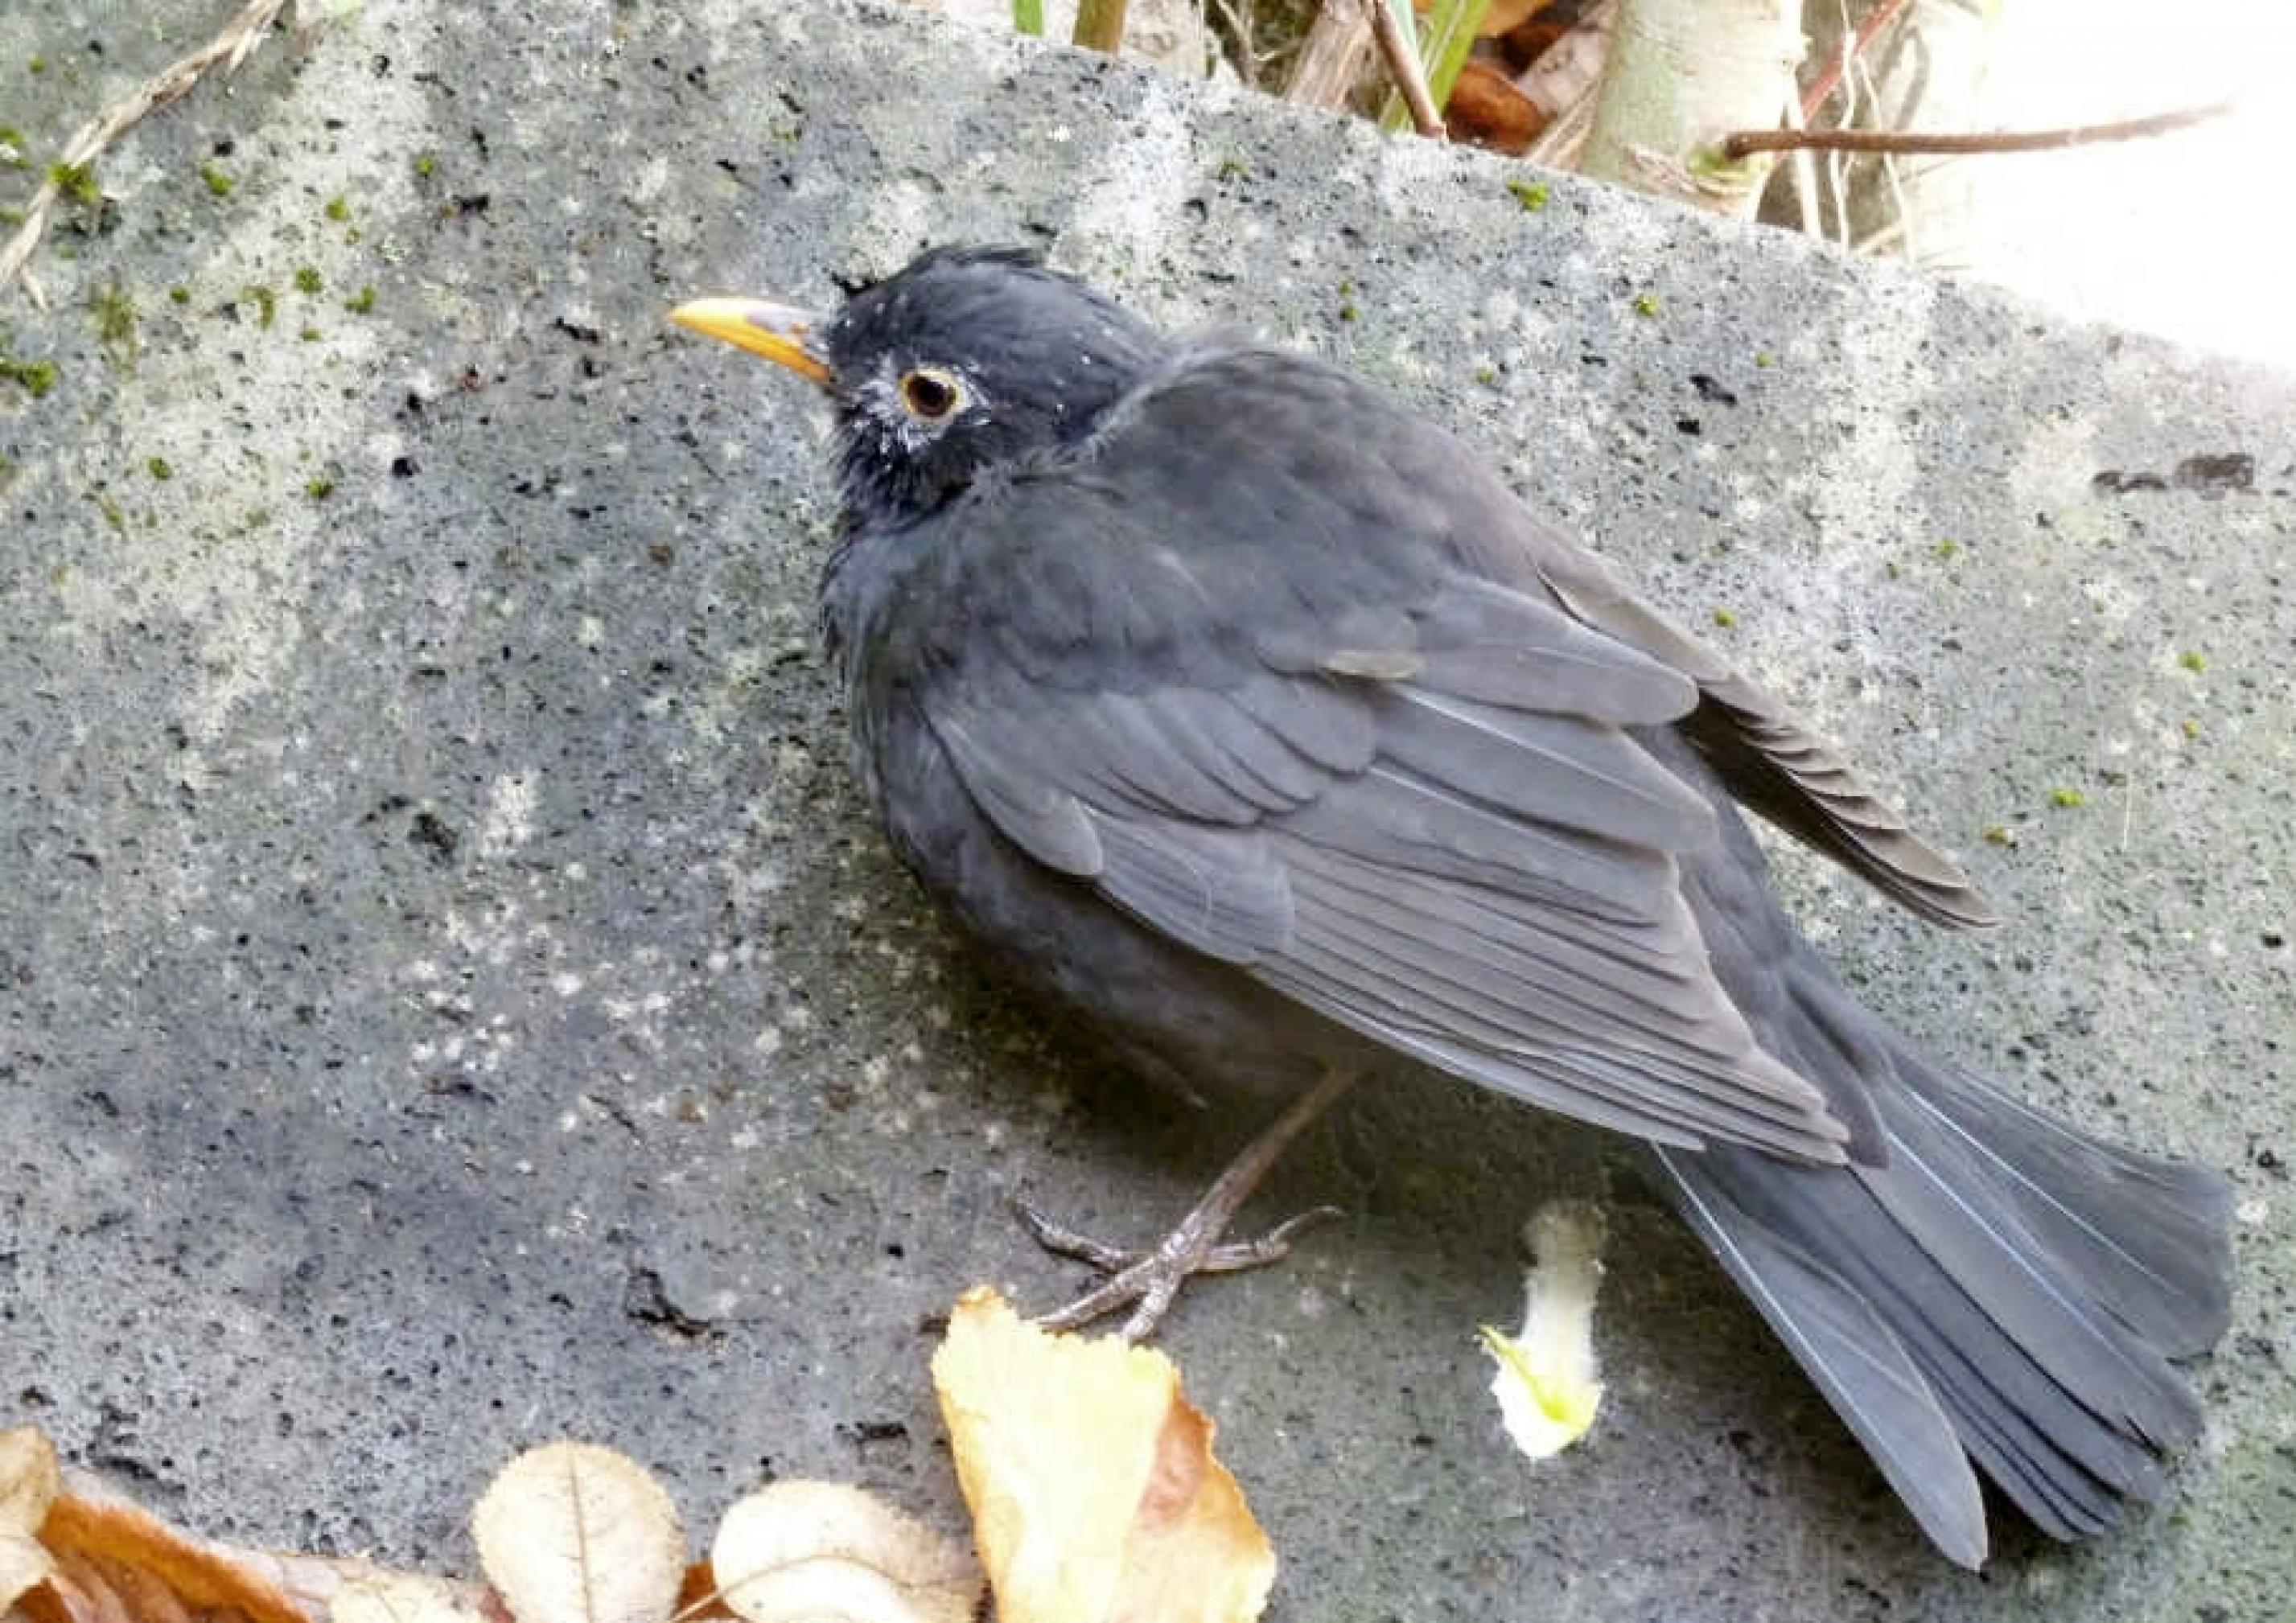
<point>931,395</point>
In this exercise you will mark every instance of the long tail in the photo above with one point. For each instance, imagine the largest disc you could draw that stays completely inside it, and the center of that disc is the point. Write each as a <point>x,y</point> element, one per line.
<point>1983,1283</point>
<point>2004,1291</point>
<point>1983,1287</point>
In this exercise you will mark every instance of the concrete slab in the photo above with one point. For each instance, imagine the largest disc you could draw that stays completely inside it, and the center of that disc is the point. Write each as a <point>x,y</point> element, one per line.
<point>449,996</point>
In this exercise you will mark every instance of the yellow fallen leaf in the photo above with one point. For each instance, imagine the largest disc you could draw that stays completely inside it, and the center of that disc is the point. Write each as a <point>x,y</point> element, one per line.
<point>1094,1494</point>
<point>1546,1382</point>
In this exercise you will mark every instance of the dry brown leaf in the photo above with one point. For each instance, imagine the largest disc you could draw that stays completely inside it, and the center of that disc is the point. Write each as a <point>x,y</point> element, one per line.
<point>1487,110</point>
<point>827,1552</point>
<point>116,1560</point>
<point>1094,1494</point>
<point>574,1533</point>
<point>24,1564</point>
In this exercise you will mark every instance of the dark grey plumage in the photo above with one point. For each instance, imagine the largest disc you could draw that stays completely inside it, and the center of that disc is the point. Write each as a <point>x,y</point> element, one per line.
<point>1257,717</point>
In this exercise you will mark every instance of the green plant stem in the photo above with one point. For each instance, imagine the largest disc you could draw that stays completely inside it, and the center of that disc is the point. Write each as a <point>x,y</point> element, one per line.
<point>1100,25</point>
<point>1444,38</point>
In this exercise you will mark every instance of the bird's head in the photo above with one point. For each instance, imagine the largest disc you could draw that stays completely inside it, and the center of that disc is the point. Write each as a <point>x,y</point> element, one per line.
<point>964,363</point>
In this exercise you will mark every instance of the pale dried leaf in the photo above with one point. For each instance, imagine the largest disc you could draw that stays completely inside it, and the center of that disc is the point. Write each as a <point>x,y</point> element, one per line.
<point>573,1533</point>
<point>1094,1494</point>
<point>25,1565</point>
<point>827,1553</point>
<point>29,1480</point>
<point>1547,1383</point>
<point>377,1596</point>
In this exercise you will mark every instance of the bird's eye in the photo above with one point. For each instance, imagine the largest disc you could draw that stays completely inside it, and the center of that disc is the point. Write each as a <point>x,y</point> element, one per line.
<point>931,394</point>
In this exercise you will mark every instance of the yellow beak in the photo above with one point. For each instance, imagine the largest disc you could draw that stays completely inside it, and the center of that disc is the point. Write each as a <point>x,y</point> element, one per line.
<point>782,333</point>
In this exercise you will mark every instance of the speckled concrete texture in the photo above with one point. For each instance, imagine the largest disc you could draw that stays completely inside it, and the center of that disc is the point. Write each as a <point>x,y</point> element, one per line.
<point>449,996</point>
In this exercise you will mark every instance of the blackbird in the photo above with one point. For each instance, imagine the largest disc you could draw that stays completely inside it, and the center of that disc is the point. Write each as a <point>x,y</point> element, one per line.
<point>1254,717</point>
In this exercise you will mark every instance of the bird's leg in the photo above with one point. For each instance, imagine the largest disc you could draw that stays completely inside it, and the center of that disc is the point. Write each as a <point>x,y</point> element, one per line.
<point>1150,1280</point>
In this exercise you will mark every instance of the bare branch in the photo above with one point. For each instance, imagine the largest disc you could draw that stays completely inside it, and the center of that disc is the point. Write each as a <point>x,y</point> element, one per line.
<point>1745,142</point>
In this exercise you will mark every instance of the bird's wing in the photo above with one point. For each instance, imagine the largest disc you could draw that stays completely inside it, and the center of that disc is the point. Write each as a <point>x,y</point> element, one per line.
<point>1392,475</point>
<point>1254,693</point>
<point>1767,758</point>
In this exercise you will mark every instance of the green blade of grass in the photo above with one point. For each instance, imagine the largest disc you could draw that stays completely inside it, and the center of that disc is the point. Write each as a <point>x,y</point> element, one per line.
<point>1444,42</point>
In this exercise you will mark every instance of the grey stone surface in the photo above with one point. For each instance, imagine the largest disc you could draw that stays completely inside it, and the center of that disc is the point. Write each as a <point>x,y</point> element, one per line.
<point>448,996</point>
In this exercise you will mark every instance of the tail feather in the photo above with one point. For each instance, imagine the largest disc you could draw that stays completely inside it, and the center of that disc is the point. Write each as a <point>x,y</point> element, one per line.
<point>2149,1238</point>
<point>2009,1306</point>
<point>1982,1245</point>
<point>1852,1356</point>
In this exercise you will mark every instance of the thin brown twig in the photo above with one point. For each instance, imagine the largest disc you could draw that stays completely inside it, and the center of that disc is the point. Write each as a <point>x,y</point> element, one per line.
<point>230,47</point>
<point>1880,17</point>
<point>1403,62</point>
<point>1745,142</point>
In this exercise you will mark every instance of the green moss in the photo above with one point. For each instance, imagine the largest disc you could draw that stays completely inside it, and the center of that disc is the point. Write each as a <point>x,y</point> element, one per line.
<point>2191,658</point>
<point>12,148</point>
<point>1947,550</point>
<point>426,164</point>
<point>159,469</point>
<point>112,513</point>
<point>216,181</point>
<point>1999,834</point>
<point>179,294</point>
<point>1487,375</point>
<point>1232,167</point>
<point>115,321</point>
<point>308,279</point>
<point>362,301</point>
<point>319,489</point>
<point>1530,193</point>
<point>1725,618</point>
<point>77,181</point>
<point>2192,727</point>
<point>39,64</point>
<point>310,335</point>
<point>1646,304</point>
<point>35,377</point>
<point>2067,797</point>
<point>1763,357</point>
<point>265,303</point>
<point>339,207</point>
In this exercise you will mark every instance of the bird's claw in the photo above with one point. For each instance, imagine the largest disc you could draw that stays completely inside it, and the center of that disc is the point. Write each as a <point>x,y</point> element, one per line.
<point>1149,1280</point>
